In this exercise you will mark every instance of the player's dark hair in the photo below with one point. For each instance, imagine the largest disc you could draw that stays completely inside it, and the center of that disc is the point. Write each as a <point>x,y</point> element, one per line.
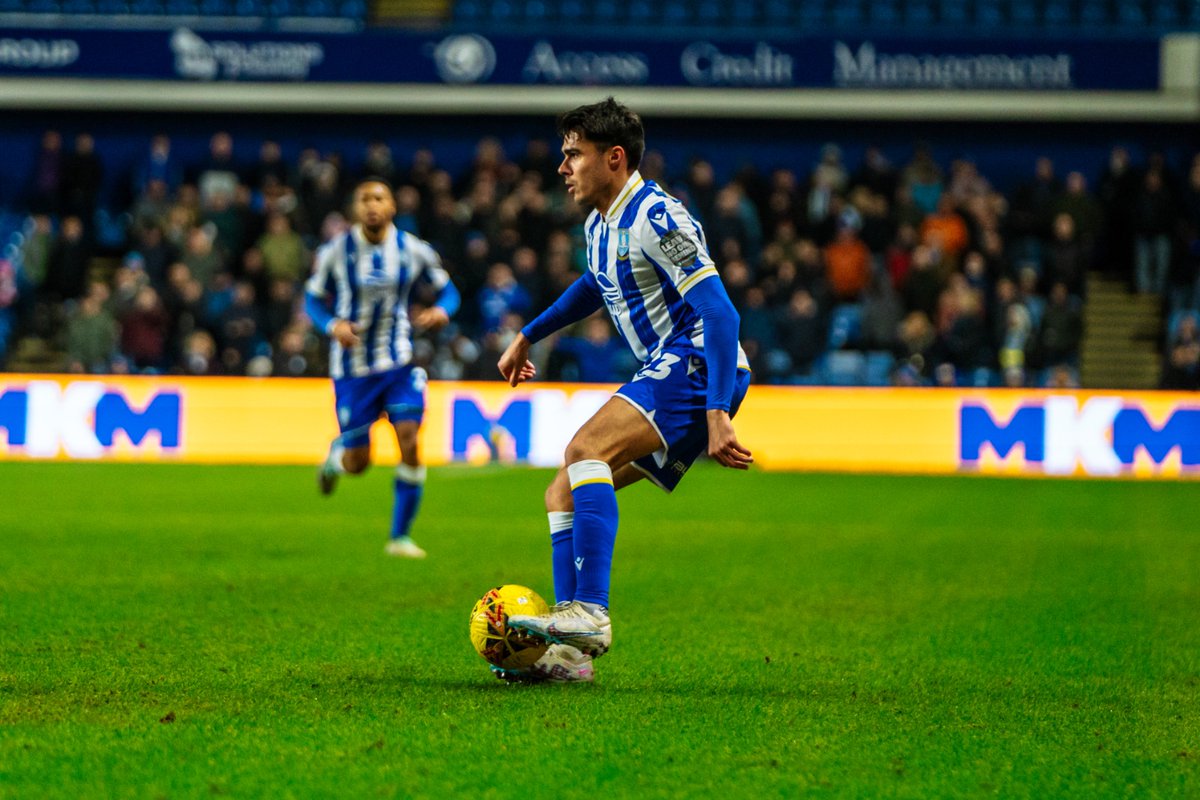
<point>375,179</point>
<point>606,124</point>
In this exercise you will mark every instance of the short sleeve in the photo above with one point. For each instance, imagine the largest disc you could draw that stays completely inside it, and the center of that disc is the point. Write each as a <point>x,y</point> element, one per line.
<point>320,283</point>
<point>429,262</point>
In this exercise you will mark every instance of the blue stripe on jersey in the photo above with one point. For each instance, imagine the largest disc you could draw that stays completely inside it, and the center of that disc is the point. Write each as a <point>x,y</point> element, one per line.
<point>682,315</point>
<point>352,282</point>
<point>634,299</point>
<point>372,334</point>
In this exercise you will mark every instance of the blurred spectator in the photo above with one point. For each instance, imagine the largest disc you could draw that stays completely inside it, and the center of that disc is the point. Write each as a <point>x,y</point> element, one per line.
<point>240,329</point>
<point>1030,212</point>
<point>200,354</point>
<point>1153,220</point>
<point>45,196</point>
<point>1085,211</point>
<point>82,177</point>
<point>921,180</point>
<point>1018,330</point>
<point>1182,369</point>
<point>291,359</point>
<point>946,232</point>
<point>271,169</point>
<point>1117,191</point>
<point>1066,262</point>
<point>159,166</point>
<point>501,296</point>
<point>92,334</point>
<point>36,250</point>
<point>144,331</point>
<point>8,301</point>
<point>876,173</point>
<point>848,265</point>
<point>283,251</point>
<point>882,311</point>
<point>201,256</point>
<point>597,356</point>
<point>802,329</point>
<point>67,266</point>
<point>218,172</point>
<point>1061,329</point>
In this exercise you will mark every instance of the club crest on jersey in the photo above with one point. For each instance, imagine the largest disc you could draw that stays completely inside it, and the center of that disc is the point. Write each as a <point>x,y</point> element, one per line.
<point>622,243</point>
<point>679,248</point>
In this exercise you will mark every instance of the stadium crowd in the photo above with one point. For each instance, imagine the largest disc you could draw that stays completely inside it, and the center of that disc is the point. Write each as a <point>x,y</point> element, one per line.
<point>921,271</point>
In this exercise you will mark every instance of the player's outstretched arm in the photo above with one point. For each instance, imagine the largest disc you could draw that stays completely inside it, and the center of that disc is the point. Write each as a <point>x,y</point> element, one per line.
<point>723,446</point>
<point>514,363</point>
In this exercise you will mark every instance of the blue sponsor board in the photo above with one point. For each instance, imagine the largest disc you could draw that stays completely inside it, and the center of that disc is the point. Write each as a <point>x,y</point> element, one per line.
<point>82,419</point>
<point>466,58</point>
<point>1103,436</point>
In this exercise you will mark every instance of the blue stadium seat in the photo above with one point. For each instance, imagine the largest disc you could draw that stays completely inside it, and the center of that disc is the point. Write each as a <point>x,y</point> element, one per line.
<point>919,13</point>
<point>181,8</point>
<point>215,8</point>
<point>279,8</point>
<point>1024,13</point>
<point>643,11</point>
<point>845,326</point>
<point>112,7</point>
<point>1165,13</point>
<point>778,12</point>
<point>605,11</point>
<point>153,8</point>
<point>1058,13</point>
<point>711,12</point>
<point>844,368</point>
<point>43,7</point>
<point>956,13</point>
<point>535,12</point>
<point>989,14</point>
<point>675,13</point>
<point>847,13</point>
<point>469,10</point>
<point>878,368</point>
<point>249,8</point>
<point>353,9</point>
<point>1191,13</point>
<point>572,11</point>
<point>1131,15</point>
<point>502,11</point>
<point>884,12</point>
<point>316,8</point>
<point>78,7</point>
<point>1094,13</point>
<point>746,14</point>
<point>809,14</point>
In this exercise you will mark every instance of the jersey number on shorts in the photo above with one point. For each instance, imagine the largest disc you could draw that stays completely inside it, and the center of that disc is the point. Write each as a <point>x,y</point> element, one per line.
<point>659,368</point>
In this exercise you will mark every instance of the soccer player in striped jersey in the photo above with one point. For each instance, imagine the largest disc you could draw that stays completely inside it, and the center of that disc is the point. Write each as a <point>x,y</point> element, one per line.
<point>359,295</point>
<point>649,266</point>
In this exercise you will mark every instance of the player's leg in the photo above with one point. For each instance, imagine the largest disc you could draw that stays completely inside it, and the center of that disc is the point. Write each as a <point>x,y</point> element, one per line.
<point>406,408</point>
<point>409,486</point>
<point>562,526</point>
<point>359,402</point>
<point>615,436</point>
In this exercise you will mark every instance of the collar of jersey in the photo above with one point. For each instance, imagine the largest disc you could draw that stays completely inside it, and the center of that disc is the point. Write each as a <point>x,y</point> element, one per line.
<point>631,186</point>
<point>360,238</point>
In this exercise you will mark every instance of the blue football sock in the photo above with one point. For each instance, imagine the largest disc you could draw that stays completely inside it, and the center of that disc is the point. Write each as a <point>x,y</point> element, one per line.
<point>562,554</point>
<point>595,528</point>
<point>410,484</point>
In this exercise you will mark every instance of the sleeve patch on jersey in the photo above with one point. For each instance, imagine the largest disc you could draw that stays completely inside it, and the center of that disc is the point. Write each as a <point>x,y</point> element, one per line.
<point>679,248</point>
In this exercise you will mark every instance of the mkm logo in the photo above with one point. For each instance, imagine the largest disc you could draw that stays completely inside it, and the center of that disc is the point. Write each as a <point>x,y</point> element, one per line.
<point>1102,436</point>
<point>82,418</point>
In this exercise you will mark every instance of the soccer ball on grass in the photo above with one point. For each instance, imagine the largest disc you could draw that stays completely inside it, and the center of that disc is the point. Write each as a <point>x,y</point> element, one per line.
<point>501,646</point>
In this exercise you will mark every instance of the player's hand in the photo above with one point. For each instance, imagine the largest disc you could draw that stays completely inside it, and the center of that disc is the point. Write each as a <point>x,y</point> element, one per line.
<point>723,446</point>
<point>431,319</point>
<point>346,332</point>
<point>514,364</point>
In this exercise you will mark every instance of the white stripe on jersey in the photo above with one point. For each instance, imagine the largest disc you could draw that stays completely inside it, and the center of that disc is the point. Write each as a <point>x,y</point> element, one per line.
<point>370,285</point>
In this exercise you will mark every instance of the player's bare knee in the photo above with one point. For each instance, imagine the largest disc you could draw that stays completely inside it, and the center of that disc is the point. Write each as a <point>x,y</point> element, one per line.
<point>356,462</point>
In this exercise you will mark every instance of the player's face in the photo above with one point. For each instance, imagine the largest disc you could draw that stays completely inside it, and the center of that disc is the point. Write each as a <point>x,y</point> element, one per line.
<point>374,206</point>
<point>587,172</point>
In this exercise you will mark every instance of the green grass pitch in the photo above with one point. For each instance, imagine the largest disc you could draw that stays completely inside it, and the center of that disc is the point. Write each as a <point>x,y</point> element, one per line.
<point>176,631</point>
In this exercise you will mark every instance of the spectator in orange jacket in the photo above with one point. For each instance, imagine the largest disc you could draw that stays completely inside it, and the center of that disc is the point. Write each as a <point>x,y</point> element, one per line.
<point>847,264</point>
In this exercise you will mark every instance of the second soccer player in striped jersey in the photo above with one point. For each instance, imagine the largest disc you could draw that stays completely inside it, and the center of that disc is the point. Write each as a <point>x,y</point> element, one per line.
<point>359,295</point>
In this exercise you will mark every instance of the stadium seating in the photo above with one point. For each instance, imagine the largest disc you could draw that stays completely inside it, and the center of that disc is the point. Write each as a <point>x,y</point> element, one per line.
<point>859,16</point>
<point>337,14</point>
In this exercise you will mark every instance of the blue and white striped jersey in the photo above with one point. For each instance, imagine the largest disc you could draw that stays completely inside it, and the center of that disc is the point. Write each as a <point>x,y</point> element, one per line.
<point>370,285</point>
<point>646,253</point>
